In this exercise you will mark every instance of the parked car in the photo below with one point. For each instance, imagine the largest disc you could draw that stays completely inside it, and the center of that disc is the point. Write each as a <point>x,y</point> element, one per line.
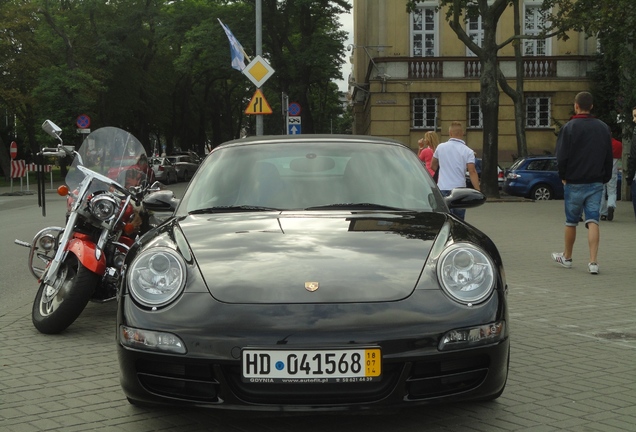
<point>293,277</point>
<point>537,177</point>
<point>186,165</point>
<point>164,170</point>
<point>500,174</point>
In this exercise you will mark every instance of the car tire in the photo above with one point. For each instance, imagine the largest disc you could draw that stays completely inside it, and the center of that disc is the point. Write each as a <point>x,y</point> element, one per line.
<point>541,192</point>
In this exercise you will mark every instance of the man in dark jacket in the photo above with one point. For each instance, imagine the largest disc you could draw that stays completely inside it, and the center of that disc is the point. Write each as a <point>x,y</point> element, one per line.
<point>630,178</point>
<point>584,159</point>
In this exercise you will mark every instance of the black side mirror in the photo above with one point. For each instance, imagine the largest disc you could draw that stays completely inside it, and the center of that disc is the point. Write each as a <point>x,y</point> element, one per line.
<point>464,198</point>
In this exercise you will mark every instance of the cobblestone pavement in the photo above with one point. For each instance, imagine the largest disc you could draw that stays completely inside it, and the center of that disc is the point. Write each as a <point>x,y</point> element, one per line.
<point>573,364</point>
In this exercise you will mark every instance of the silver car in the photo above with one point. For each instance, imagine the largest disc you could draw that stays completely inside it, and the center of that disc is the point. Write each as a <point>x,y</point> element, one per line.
<point>186,165</point>
<point>164,170</point>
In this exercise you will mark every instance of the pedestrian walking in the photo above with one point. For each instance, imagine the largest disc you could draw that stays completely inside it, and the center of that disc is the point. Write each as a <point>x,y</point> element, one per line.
<point>608,199</point>
<point>630,178</point>
<point>453,158</point>
<point>584,159</point>
<point>427,146</point>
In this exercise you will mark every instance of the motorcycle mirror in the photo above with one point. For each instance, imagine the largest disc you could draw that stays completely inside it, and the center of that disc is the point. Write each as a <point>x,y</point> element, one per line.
<point>52,129</point>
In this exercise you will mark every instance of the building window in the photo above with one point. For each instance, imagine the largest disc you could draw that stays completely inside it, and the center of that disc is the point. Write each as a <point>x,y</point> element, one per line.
<point>475,32</point>
<point>423,112</point>
<point>533,24</point>
<point>424,30</point>
<point>538,111</point>
<point>475,116</point>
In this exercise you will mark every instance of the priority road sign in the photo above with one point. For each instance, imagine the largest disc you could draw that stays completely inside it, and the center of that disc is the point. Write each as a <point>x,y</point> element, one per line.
<point>258,71</point>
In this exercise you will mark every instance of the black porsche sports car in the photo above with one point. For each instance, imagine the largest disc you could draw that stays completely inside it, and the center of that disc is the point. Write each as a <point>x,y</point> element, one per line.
<point>313,272</point>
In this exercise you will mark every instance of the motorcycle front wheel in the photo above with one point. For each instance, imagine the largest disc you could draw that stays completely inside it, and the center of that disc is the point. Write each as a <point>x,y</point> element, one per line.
<point>55,310</point>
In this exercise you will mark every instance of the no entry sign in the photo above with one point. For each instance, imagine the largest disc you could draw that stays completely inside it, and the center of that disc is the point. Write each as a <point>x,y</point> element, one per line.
<point>13,149</point>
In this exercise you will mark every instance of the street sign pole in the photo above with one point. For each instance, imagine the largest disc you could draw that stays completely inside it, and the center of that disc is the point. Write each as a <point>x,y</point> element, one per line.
<point>259,51</point>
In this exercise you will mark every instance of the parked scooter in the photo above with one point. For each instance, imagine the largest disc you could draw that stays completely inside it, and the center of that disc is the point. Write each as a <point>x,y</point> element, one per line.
<point>109,203</point>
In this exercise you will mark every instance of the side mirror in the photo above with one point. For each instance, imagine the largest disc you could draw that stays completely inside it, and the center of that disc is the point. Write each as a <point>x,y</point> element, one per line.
<point>464,198</point>
<point>52,129</point>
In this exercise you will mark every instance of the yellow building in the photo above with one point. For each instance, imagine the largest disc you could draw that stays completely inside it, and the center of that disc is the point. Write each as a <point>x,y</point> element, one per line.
<point>411,73</point>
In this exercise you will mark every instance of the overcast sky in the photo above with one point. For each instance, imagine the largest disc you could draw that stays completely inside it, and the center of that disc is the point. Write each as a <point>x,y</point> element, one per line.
<point>347,25</point>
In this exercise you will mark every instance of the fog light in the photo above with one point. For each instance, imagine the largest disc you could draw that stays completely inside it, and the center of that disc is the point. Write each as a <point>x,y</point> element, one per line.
<point>47,242</point>
<point>151,340</point>
<point>473,337</point>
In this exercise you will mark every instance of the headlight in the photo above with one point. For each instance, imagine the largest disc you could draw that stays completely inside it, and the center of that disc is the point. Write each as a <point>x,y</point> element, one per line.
<point>466,273</point>
<point>48,242</point>
<point>103,206</point>
<point>157,276</point>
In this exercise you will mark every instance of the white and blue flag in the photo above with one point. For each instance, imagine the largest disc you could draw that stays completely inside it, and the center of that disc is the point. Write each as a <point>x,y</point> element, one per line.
<point>236,49</point>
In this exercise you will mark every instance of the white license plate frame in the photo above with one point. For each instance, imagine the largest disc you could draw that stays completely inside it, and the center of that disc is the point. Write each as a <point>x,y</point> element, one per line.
<point>307,366</point>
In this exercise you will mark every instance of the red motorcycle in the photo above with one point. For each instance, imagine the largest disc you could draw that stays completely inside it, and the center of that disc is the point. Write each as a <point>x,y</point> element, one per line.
<point>108,206</point>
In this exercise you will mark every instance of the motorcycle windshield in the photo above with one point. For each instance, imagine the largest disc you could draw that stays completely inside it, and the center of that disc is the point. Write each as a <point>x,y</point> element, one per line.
<point>111,152</point>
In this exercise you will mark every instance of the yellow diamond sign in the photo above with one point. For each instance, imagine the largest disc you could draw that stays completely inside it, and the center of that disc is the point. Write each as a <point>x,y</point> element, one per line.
<point>258,71</point>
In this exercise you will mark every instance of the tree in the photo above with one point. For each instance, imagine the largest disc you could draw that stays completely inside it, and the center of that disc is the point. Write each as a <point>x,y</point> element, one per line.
<point>490,13</point>
<point>20,63</point>
<point>161,68</point>
<point>614,89</point>
<point>491,76</point>
<point>306,48</point>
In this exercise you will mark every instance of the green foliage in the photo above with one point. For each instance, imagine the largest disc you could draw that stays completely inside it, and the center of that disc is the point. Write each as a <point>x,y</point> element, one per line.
<point>161,68</point>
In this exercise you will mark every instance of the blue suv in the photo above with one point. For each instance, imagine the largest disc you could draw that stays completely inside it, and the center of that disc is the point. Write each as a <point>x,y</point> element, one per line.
<point>535,177</point>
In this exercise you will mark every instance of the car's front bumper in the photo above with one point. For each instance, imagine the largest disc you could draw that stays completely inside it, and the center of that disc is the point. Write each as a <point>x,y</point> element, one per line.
<point>414,370</point>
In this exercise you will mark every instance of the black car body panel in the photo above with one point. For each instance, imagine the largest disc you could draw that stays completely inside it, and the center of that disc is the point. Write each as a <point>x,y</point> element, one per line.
<point>314,280</point>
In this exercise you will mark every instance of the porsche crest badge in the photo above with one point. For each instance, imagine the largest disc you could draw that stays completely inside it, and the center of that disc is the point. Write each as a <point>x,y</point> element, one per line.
<point>311,286</point>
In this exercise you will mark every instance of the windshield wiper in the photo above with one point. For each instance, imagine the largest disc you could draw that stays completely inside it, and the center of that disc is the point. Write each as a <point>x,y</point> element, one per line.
<point>221,209</point>
<point>354,206</point>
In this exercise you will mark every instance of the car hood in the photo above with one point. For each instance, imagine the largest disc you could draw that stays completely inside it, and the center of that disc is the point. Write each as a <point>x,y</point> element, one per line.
<point>266,258</point>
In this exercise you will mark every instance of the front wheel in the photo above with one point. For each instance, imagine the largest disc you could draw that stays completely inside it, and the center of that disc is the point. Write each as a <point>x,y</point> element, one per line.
<point>541,192</point>
<point>56,309</point>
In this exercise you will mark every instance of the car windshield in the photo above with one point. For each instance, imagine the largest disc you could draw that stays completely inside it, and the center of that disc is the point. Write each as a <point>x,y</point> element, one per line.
<point>311,175</point>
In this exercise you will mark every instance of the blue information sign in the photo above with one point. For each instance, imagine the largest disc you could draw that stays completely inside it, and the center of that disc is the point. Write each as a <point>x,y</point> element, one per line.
<point>293,129</point>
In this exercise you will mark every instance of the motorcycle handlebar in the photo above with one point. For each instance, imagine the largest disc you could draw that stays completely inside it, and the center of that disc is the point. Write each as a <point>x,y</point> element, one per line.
<point>49,151</point>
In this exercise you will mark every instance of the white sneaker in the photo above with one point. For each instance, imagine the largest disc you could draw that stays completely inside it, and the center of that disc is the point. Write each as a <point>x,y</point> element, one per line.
<point>593,268</point>
<point>560,259</point>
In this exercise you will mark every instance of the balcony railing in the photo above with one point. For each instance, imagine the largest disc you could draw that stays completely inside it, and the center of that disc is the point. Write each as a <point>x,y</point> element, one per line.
<point>423,68</point>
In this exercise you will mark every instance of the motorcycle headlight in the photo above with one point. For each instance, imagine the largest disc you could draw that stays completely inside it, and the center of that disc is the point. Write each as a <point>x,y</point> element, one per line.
<point>466,273</point>
<point>156,276</point>
<point>103,206</point>
<point>48,242</point>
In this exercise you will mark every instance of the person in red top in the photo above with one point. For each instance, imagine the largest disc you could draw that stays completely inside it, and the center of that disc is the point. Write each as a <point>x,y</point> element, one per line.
<point>608,200</point>
<point>427,147</point>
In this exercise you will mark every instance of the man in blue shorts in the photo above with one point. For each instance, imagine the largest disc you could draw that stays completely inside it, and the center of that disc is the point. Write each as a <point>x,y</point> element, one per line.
<point>584,159</point>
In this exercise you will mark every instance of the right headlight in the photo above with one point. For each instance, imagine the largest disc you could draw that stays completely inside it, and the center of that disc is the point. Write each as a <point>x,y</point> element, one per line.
<point>466,273</point>
<point>156,277</point>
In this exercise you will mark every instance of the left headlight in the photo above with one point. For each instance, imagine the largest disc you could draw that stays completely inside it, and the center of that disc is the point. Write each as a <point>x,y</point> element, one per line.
<point>466,273</point>
<point>156,276</point>
<point>103,206</point>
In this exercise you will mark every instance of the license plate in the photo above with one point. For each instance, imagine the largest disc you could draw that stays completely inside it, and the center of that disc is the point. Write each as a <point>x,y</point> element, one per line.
<point>311,366</point>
